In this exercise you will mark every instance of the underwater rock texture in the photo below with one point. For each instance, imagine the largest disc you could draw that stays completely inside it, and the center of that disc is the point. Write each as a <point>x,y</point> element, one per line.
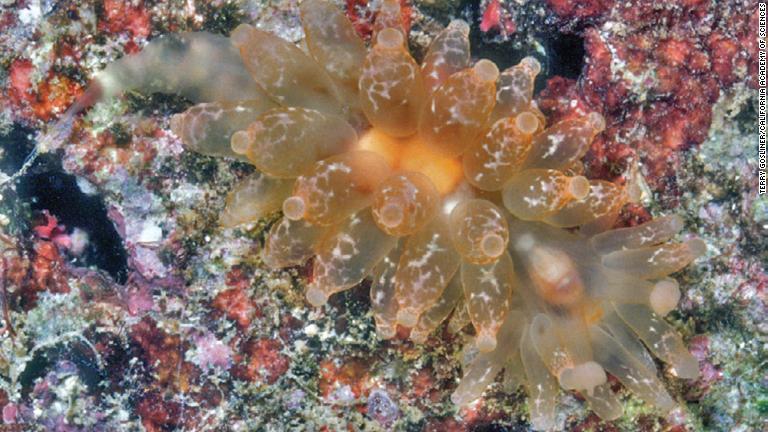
<point>201,335</point>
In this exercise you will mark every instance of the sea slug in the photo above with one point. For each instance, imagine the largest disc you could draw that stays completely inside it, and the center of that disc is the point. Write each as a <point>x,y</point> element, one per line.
<point>443,183</point>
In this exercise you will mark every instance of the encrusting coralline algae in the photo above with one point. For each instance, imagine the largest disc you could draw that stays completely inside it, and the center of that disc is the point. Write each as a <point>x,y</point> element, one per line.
<point>443,183</point>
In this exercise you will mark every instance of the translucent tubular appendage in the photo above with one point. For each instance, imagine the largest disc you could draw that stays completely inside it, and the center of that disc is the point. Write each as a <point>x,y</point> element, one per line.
<point>534,194</point>
<point>456,114</point>
<point>391,88</point>
<point>482,370</point>
<point>603,402</point>
<point>626,337</point>
<point>632,373</point>
<point>479,375</point>
<point>207,128</point>
<point>563,143</point>
<point>515,88</point>
<point>583,377</point>
<point>290,243</point>
<point>448,54</point>
<point>253,198</point>
<point>550,349</point>
<point>655,261</point>
<point>290,76</point>
<point>603,201</point>
<point>499,154</point>
<point>334,43</point>
<point>565,348</point>
<point>488,290</point>
<point>435,315</point>
<point>664,296</point>
<point>460,317</point>
<point>659,230</point>
<point>347,256</point>
<point>337,187</point>
<point>660,338</point>
<point>479,231</point>
<point>383,301</point>
<point>213,70</point>
<point>389,15</point>
<point>542,387</point>
<point>427,265</point>
<point>404,203</point>
<point>287,142</point>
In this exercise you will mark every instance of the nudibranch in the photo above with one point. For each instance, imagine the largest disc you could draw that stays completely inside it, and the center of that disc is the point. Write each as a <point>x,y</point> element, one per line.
<point>442,182</point>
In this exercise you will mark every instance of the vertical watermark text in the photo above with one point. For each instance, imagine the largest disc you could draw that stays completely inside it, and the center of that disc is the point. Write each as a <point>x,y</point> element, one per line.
<point>761,97</point>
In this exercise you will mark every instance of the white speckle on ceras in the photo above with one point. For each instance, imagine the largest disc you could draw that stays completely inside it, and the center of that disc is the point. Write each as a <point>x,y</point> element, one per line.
<point>554,143</point>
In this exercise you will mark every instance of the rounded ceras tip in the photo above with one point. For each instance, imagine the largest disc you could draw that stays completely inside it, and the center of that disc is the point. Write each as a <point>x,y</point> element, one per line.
<point>391,215</point>
<point>493,245</point>
<point>239,35</point>
<point>686,367</point>
<point>527,122</point>
<point>486,70</point>
<point>664,296</point>
<point>485,342</point>
<point>676,223</point>
<point>294,208</point>
<point>584,376</point>
<point>240,141</point>
<point>634,192</point>
<point>316,297</point>
<point>389,38</point>
<point>407,318</point>
<point>578,187</point>
<point>177,124</point>
<point>533,65</point>
<point>459,25</point>
<point>597,121</point>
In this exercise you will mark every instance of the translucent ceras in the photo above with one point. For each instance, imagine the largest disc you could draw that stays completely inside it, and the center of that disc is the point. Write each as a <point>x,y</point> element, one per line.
<point>443,184</point>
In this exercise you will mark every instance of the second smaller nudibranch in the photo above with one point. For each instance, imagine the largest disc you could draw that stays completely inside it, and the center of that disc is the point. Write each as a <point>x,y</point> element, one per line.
<point>586,307</point>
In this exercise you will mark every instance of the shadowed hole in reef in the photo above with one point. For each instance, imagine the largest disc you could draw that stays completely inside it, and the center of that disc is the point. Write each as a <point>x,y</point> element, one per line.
<point>563,54</point>
<point>59,194</point>
<point>65,359</point>
<point>504,53</point>
<point>16,145</point>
